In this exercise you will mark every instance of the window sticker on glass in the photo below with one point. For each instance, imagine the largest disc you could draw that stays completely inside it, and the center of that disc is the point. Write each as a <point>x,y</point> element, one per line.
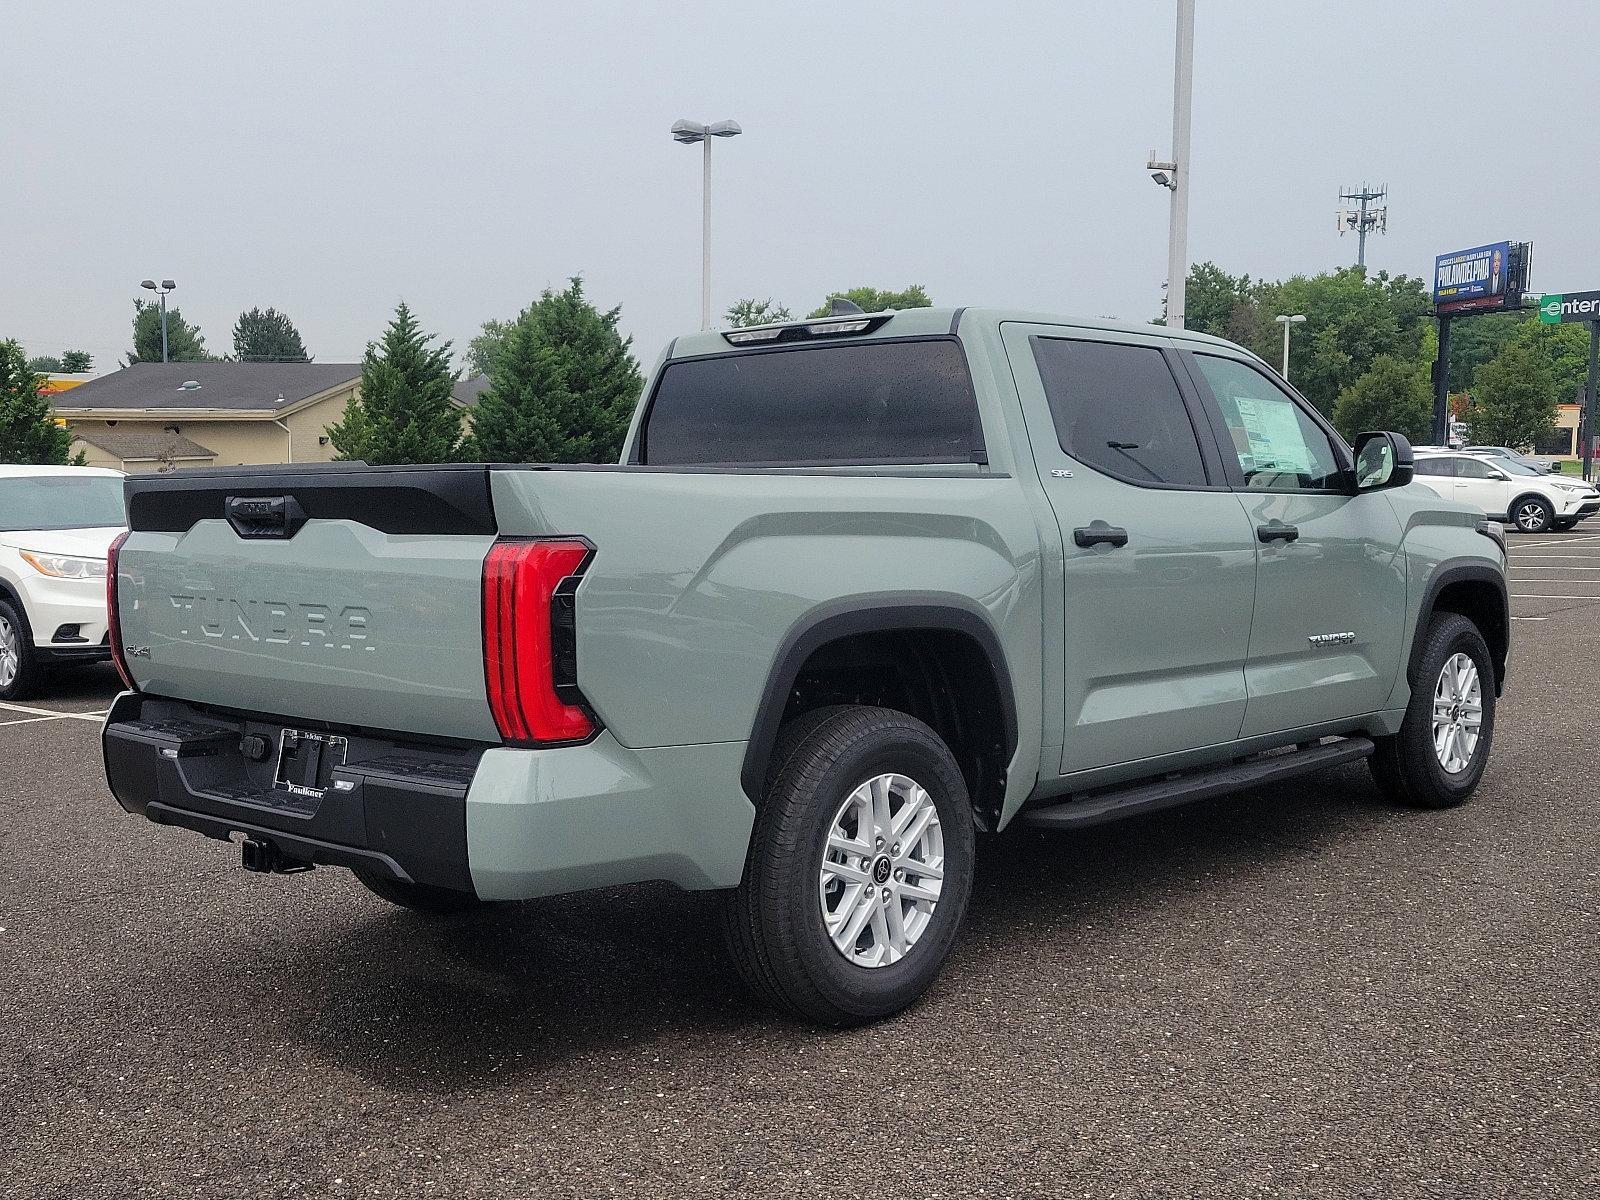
<point>1276,443</point>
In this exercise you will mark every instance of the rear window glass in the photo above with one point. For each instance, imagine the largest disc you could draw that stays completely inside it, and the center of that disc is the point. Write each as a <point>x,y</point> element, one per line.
<point>1117,409</point>
<point>880,402</point>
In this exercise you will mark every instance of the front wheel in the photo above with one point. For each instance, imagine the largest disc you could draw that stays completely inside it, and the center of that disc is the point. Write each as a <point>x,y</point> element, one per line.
<point>1438,757</point>
<point>1533,515</point>
<point>859,870</point>
<point>20,670</point>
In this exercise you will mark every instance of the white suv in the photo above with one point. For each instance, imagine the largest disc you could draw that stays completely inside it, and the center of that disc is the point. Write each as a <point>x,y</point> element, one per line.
<point>1507,490</point>
<point>56,524</point>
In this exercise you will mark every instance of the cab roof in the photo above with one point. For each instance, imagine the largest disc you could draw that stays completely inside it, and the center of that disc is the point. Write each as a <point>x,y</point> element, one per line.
<point>923,322</point>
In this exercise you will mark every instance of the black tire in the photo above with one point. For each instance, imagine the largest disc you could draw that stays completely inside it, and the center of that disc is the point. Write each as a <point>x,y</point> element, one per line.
<point>1532,514</point>
<point>18,637</point>
<point>1406,766</point>
<point>419,897</point>
<point>773,921</point>
<point>1563,526</point>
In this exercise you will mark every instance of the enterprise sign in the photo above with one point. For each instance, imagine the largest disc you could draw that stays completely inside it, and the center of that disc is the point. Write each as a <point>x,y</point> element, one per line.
<point>1572,306</point>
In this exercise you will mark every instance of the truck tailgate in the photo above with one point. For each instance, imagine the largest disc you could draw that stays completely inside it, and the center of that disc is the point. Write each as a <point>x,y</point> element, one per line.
<point>353,597</point>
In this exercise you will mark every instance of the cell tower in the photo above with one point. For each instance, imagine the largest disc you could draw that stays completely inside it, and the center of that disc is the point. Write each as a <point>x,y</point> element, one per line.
<point>1365,219</point>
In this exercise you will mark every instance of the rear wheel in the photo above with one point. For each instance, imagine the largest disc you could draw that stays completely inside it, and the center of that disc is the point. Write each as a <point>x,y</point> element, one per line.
<point>1533,514</point>
<point>1439,755</point>
<point>859,870</point>
<point>1563,526</point>
<point>20,670</point>
<point>419,896</point>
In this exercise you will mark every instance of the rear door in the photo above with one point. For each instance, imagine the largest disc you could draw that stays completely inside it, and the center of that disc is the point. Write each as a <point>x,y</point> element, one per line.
<point>1437,473</point>
<point>1331,581</point>
<point>345,595</point>
<point>1159,567</point>
<point>1482,485</point>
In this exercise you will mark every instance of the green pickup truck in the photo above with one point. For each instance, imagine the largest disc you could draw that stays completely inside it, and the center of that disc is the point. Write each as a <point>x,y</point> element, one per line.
<point>860,589</point>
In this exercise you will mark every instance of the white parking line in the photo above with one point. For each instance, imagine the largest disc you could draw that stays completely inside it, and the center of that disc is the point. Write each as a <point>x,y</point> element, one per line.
<point>1546,596</point>
<point>32,720</point>
<point>1520,567</point>
<point>45,712</point>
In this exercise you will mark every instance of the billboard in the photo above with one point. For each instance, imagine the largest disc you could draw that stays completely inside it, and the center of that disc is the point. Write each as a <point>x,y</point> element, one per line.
<point>1475,278</point>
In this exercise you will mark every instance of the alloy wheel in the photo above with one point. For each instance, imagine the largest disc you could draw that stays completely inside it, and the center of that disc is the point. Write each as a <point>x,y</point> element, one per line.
<point>882,870</point>
<point>1457,713</point>
<point>10,653</point>
<point>1530,518</point>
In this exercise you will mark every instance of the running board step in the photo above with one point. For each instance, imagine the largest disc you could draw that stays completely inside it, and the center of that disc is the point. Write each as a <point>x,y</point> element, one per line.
<point>1101,807</point>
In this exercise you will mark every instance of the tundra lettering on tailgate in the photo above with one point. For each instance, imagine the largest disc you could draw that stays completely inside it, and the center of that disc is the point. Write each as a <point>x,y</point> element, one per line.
<point>274,622</point>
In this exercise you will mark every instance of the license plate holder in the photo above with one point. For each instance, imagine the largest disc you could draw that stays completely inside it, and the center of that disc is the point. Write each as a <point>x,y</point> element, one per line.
<point>306,761</point>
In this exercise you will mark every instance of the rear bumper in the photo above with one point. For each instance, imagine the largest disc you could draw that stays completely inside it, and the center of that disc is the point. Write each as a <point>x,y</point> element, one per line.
<point>501,823</point>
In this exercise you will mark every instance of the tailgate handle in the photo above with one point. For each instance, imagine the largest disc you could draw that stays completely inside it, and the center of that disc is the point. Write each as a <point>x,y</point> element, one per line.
<point>265,516</point>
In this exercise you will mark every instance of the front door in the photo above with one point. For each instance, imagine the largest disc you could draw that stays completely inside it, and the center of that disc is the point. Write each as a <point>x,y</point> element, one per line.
<point>1482,485</point>
<point>1331,581</point>
<point>1158,573</point>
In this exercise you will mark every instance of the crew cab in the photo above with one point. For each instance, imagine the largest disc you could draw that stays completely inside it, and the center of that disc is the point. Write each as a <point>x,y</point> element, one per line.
<point>860,589</point>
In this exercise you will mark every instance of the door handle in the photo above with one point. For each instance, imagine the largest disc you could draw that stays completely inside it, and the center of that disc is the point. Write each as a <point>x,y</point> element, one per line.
<point>1277,531</point>
<point>1098,532</point>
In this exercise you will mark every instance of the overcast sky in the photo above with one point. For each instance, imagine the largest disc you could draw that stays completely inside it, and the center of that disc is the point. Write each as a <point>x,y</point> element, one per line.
<point>330,159</point>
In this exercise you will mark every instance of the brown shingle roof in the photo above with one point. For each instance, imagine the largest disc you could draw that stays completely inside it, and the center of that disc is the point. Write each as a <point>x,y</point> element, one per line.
<point>142,443</point>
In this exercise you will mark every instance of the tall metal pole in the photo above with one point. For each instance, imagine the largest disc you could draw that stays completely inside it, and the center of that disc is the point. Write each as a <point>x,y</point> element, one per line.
<point>163,327</point>
<point>1286,352</point>
<point>1587,421</point>
<point>1441,386</point>
<point>1178,225</point>
<point>705,241</point>
<point>1361,231</point>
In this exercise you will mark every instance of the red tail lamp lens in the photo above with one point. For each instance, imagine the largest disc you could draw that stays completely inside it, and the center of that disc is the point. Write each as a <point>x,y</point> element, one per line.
<point>113,617</point>
<point>529,652</point>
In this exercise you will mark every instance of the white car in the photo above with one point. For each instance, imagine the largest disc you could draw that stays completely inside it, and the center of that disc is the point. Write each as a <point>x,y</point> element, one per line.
<point>1507,490</point>
<point>56,524</point>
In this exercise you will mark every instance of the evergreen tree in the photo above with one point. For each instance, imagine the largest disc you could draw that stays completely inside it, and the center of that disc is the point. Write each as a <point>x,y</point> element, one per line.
<point>45,364</point>
<point>184,341</point>
<point>74,362</point>
<point>562,385</point>
<point>266,335</point>
<point>403,412</point>
<point>28,433</point>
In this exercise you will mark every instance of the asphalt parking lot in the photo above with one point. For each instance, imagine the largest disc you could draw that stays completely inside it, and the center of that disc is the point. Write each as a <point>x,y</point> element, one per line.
<point>1291,992</point>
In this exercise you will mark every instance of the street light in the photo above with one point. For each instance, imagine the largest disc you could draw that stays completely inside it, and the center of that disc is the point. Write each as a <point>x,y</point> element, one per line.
<point>1286,321</point>
<point>1173,173</point>
<point>166,286</point>
<point>690,132</point>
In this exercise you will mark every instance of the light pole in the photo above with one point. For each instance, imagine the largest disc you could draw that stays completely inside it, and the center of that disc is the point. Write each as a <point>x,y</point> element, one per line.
<point>1287,321</point>
<point>166,286</point>
<point>1174,173</point>
<point>690,132</point>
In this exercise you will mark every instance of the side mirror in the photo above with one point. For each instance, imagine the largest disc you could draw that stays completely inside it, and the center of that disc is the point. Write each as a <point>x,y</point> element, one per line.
<point>1383,460</point>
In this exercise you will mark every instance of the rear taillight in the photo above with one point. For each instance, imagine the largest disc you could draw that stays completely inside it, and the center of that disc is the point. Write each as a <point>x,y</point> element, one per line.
<point>530,640</point>
<point>113,616</point>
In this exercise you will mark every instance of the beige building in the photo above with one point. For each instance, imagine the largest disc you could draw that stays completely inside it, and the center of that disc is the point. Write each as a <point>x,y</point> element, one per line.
<point>166,416</point>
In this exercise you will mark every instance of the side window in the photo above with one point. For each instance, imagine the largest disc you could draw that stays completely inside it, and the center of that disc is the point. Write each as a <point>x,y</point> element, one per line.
<point>1472,468</point>
<point>1436,466</point>
<point>1117,409</point>
<point>1279,447</point>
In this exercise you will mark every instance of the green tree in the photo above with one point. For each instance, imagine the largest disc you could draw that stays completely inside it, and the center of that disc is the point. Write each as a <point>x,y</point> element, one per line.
<point>483,349</point>
<point>184,341</point>
<point>1351,320</point>
<point>563,385</point>
<point>1513,398</point>
<point>744,313</point>
<point>28,433</point>
<point>1393,394</point>
<point>872,300</point>
<point>74,362</point>
<point>267,335</point>
<point>1564,350</point>
<point>45,364</point>
<point>1475,340</point>
<point>403,412</point>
